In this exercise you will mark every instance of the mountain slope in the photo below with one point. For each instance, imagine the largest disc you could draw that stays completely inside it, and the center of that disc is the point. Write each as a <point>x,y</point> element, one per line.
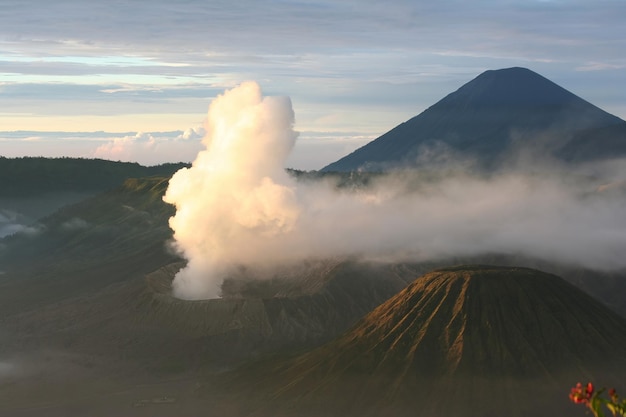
<point>104,239</point>
<point>496,114</point>
<point>471,340</point>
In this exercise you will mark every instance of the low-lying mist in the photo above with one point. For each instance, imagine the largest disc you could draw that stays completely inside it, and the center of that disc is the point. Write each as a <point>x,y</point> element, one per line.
<point>237,206</point>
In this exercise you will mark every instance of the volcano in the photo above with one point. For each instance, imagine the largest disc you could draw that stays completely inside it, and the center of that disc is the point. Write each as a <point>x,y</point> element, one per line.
<point>497,115</point>
<point>469,340</point>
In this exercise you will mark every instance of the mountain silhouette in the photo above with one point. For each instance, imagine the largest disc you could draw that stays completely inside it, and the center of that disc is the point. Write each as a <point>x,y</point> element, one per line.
<point>498,114</point>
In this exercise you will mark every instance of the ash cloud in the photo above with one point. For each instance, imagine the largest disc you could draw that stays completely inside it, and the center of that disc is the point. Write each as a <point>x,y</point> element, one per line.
<point>236,206</point>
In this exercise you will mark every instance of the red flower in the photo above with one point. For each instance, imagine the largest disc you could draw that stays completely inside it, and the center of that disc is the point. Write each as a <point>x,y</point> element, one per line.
<point>578,395</point>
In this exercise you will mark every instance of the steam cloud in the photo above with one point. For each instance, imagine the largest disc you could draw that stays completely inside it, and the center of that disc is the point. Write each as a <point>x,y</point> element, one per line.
<point>237,206</point>
<point>236,195</point>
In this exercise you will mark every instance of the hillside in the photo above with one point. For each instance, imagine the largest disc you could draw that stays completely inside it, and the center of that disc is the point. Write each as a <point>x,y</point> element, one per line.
<point>494,118</point>
<point>101,240</point>
<point>32,188</point>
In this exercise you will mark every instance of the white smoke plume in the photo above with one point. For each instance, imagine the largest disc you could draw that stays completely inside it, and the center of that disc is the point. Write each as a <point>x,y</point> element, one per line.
<point>236,195</point>
<point>237,206</point>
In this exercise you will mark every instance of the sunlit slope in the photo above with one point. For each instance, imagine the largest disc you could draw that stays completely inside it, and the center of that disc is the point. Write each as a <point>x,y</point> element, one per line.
<point>489,320</point>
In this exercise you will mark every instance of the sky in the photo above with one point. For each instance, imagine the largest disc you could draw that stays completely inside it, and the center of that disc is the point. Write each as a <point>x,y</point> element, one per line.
<point>132,80</point>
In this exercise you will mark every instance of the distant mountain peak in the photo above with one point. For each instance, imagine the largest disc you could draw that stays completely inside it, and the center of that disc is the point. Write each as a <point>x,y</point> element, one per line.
<point>512,86</point>
<point>492,116</point>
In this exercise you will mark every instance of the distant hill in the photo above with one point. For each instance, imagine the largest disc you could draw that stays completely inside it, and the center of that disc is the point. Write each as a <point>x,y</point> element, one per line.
<point>495,116</point>
<point>32,175</point>
<point>31,188</point>
<point>462,341</point>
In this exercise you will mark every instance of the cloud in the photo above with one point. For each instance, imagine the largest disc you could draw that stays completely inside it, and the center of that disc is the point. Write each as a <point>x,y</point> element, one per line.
<point>331,24</point>
<point>601,66</point>
<point>302,42</point>
<point>74,224</point>
<point>150,150</point>
<point>192,134</point>
<point>8,229</point>
<point>315,150</point>
<point>147,148</point>
<point>126,148</point>
<point>12,222</point>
